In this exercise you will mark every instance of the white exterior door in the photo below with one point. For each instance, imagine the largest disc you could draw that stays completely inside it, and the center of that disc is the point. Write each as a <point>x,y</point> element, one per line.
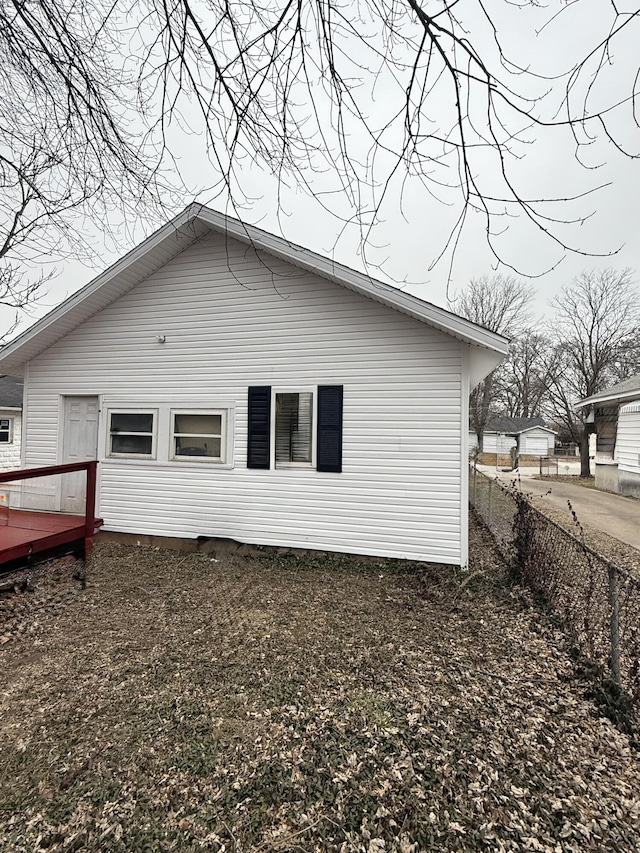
<point>79,444</point>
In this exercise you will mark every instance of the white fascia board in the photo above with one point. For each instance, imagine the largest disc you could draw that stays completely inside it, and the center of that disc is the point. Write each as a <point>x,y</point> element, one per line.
<point>77,308</point>
<point>546,429</point>
<point>596,399</point>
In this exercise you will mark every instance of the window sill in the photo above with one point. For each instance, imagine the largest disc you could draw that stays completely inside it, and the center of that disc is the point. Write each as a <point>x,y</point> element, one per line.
<point>284,466</point>
<point>197,460</point>
<point>168,464</point>
<point>138,457</point>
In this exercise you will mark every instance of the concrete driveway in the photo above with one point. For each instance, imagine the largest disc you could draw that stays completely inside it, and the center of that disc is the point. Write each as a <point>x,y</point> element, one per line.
<point>616,515</point>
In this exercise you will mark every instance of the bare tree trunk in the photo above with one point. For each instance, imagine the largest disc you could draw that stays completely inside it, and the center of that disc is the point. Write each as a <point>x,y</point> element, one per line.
<point>480,402</point>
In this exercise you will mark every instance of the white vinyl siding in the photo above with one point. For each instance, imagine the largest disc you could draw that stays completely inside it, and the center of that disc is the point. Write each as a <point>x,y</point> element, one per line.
<point>269,323</point>
<point>493,443</point>
<point>628,438</point>
<point>535,442</point>
<point>10,449</point>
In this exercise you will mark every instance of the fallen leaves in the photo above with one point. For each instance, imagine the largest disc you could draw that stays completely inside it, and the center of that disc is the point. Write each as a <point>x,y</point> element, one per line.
<point>309,703</point>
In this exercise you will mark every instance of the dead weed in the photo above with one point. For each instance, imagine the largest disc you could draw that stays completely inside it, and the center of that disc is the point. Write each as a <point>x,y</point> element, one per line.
<point>300,703</point>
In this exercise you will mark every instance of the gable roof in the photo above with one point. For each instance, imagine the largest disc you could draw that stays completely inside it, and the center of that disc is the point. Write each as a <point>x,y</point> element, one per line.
<point>621,392</point>
<point>10,392</point>
<point>513,426</point>
<point>192,224</point>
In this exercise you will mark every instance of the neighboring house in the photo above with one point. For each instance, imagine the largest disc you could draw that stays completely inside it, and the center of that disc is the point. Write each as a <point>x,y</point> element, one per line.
<point>10,422</point>
<point>235,385</point>
<point>530,436</point>
<point>615,413</point>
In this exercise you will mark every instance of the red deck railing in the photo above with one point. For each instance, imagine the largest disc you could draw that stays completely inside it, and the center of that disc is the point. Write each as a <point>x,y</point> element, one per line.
<point>75,529</point>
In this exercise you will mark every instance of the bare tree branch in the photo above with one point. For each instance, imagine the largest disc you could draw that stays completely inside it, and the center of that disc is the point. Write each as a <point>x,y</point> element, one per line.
<point>67,152</point>
<point>597,331</point>
<point>292,86</point>
<point>522,379</point>
<point>353,101</point>
<point>502,304</point>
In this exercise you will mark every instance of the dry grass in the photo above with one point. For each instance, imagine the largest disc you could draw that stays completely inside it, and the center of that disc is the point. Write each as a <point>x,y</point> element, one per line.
<point>572,479</point>
<point>290,703</point>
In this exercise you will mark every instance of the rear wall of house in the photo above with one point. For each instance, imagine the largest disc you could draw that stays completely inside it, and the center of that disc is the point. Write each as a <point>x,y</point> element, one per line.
<point>268,323</point>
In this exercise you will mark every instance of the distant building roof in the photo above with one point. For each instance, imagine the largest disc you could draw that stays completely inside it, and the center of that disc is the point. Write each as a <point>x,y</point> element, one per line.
<point>622,392</point>
<point>513,426</point>
<point>11,392</point>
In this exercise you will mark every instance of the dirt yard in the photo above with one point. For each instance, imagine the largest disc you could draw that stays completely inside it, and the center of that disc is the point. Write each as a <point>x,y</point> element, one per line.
<point>286,703</point>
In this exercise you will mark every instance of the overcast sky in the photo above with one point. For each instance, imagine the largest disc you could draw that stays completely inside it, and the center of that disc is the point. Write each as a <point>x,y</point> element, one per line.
<point>405,245</point>
<point>414,224</point>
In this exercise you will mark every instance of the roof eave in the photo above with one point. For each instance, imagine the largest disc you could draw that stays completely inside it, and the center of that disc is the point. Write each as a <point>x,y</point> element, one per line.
<point>422,311</point>
<point>184,227</point>
<point>18,351</point>
<point>539,426</point>
<point>596,399</point>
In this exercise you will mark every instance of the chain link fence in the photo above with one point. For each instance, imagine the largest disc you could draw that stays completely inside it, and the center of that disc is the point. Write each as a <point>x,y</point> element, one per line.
<point>598,600</point>
<point>548,466</point>
<point>496,506</point>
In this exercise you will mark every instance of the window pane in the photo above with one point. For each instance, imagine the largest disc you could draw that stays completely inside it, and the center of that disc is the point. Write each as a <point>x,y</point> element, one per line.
<point>294,416</point>
<point>198,424</point>
<point>195,446</point>
<point>140,444</point>
<point>197,435</point>
<point>132,422</point>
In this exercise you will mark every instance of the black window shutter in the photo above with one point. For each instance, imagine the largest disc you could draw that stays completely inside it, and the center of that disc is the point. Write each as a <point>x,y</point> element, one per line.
<point>258,449</point>
<point>329,428</point>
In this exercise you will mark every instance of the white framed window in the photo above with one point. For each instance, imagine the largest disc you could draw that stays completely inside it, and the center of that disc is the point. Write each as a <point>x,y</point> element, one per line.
<point>6,430</point>
<point>293,429</point>
<point>132,433</point>
<point>199,436</point>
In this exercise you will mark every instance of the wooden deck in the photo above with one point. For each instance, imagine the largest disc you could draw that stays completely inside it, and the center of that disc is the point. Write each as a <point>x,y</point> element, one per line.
<point>29,532</point>
<point>26,533</point>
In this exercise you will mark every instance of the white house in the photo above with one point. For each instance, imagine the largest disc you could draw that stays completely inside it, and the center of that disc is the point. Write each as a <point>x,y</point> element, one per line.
<point>615,412</point>
<point>530,436</point>
<point>10,422</point>
<point>234,385</point>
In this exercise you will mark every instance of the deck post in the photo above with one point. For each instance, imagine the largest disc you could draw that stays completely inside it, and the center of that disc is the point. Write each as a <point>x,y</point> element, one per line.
<point>90,508</point>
